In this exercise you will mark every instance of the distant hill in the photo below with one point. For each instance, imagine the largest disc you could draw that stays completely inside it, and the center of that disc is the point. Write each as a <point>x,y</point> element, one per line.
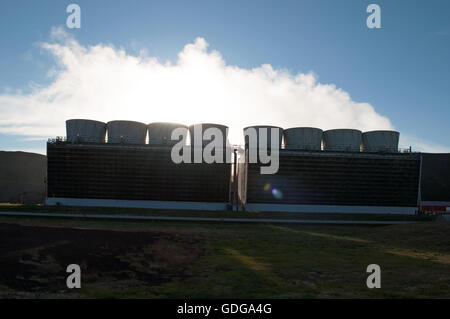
<point>22,177</point>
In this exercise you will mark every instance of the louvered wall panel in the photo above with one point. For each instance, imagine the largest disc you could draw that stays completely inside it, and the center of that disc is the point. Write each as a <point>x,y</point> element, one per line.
<point>329,178</point>
<point>132,173</point>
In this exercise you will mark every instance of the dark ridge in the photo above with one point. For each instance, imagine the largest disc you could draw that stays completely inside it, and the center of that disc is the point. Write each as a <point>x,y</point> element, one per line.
<point>22,177</point>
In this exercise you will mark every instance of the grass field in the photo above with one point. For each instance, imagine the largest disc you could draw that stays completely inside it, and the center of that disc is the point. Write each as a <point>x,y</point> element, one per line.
<point>220,260</point>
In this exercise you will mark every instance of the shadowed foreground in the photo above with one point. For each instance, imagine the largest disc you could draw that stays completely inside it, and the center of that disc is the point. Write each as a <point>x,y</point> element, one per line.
<point>190,260</point>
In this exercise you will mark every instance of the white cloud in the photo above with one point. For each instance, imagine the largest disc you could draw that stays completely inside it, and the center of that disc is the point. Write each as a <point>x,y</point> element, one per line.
<point>105,83</point>
<point>421,145</point>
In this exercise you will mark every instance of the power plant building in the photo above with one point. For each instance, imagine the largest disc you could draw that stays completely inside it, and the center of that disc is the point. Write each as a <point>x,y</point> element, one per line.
<point>127,172</point>
<point>339,178</point>
<point>129,164</point>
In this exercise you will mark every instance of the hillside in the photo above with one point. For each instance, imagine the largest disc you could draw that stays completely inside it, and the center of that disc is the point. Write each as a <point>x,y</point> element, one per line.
<point>22,177</point>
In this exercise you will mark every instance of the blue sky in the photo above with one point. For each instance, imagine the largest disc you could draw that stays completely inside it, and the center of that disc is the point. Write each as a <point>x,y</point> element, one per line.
<point>402,70</point>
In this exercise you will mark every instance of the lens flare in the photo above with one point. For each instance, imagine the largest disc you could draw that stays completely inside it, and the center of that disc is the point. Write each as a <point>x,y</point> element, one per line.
<point>277,193</point>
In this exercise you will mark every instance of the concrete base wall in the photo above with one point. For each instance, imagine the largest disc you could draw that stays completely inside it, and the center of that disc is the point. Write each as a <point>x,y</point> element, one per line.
<point>53,201</point>
<point>331,209</point>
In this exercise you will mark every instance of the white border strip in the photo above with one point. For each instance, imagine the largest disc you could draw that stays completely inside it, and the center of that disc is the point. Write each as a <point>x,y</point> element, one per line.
<point>53,201</point>
<point>209,219</point>
<point>331,209</point>
<point>434,203</point>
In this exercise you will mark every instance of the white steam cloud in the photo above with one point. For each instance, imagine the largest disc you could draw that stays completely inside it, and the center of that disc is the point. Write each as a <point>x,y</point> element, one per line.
<point>104,83</point>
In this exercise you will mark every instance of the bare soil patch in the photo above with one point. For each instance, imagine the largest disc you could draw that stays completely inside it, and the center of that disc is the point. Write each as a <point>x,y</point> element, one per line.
<point>35,258</point>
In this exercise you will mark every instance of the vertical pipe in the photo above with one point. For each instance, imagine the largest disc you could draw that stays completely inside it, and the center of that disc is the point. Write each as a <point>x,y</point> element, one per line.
<point>245,178</point>
<point>46,179</point>
<point>419,189</point>
<point>234,178</point>
<point>230,187</point>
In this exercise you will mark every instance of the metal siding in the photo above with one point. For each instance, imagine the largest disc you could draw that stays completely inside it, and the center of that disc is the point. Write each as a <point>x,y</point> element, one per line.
<point>268,129</point>
<point>342,140</point>
<point>85,131</point>
<point>303,138</point>
<point>132,173</point>
<point>380,141</point>
<point>128,132</point>
<point>321,178</point>
<point>161,133</point>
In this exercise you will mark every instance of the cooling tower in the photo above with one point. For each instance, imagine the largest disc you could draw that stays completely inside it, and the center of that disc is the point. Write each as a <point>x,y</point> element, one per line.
<point>160,133</point>
<point>342,140</point>
<point>127,132</point>
<point>380,141</point>
<point>303,138</point>
<point>85,131</point>
<point>255,143</point>
<point>201,128</point>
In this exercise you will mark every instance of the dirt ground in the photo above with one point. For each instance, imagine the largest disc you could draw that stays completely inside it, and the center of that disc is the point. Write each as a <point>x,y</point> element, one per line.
<point>135,259</point>
<point>33,260</point>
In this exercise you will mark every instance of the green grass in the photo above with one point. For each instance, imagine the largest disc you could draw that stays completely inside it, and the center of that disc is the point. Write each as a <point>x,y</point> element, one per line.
<point>290,261</point>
